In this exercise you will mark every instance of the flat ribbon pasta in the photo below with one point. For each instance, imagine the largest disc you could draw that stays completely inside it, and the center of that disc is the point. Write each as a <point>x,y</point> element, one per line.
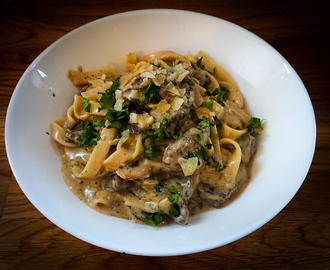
<point>98,155</point>
<point>127,150</point>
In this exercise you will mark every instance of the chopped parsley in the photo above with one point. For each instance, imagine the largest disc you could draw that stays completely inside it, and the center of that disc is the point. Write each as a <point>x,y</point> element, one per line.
<point>218,94</point>
<point>172,189</point>
<point>255,123</point>
<point>213,163</point>
<point>150,93</point>
<point>148,152</point>
<point>174,194</point>
<point>203,124</point>
<point>200,141</point>
<point>174,210</point>
<point>90,136</point>
<point>190,82</point>
<point>86,105</point>
<point>176,137</point>
<point>117,118</point>
<point>156,135</point>
<point>154,218</point>
<point>108,98</point>
<point>207,104</point>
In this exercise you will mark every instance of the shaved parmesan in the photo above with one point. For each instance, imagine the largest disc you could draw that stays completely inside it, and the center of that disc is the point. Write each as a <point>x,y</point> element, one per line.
<point>163,106</point>
<point>132,118</point>
<point>188,165</point>
<point>148,74</point>
<point>176,103</point>
<point>119,104</point>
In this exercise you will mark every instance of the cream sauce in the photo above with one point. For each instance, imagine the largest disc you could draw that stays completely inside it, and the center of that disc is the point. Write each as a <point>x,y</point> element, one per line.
<point>86,189</point>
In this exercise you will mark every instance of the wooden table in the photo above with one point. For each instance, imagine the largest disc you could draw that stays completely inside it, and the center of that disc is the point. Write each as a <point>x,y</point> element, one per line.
<point>297,238</point>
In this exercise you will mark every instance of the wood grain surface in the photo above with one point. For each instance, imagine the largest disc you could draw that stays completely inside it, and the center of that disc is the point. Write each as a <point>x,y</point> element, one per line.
<point>297,238</point>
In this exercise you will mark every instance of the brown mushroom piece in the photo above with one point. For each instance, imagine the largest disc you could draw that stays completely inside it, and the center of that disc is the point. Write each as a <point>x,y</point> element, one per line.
<point>73,131</point>
<point>181,148</point>
<point>114,182</point>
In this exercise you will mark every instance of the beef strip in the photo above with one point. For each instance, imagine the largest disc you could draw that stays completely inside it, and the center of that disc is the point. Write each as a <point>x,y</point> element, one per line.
<point>114,182</point>
<point>73,131</point>
<point>182,147</point>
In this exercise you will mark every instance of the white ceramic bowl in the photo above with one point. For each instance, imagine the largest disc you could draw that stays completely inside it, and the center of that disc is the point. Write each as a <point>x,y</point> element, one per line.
<point>271,88</point>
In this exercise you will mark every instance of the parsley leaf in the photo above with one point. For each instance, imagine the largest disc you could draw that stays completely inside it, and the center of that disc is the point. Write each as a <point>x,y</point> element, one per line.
<point>255,123</point>
<point>173,198</point>
<point>117,118</point>
<point>150,93</point>
<point>203,124</point>
<point>219,93</point>
<point>86,105</point>
<point>173,190</point>
<point>108,98</point>
<point>174,210</point>
<point>89,137</point>
<point>148,152</point>
<point>174,194</point>
<point>154,218</point>
<point>156,135</point>
<point>207,104</point>
<point>200,141</point>
<point>213,163</point>
<point>190,82</point>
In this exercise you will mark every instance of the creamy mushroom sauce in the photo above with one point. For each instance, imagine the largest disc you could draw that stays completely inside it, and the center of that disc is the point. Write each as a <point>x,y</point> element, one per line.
<point>84,189</point>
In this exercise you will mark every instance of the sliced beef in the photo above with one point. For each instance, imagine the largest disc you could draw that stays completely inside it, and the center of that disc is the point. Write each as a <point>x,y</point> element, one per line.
<point>73,131</point>
<point>177,119</point>
<point>182,147</point>
<point>115,183</point>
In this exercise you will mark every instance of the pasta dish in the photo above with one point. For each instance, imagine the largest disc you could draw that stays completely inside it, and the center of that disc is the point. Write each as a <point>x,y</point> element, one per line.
<point>167,139</point>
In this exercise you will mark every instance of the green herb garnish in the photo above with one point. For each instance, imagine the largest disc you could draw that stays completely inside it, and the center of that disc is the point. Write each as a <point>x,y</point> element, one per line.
<point>203,124</point>
<point>150,93</point>
<point>255,123</point>
<point>174,194</point>
<point>117,118</point>
<point>148,152</point>
<point>108,98</point>
<point>86,105</point>
<point>218,94</point>
<point>176,137</point>
<point>207,104</point>
<point>154,218</point>
<point>90,136</point>
<point>156,135</point>
<point>174,210</point>
<point>200,141</point>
